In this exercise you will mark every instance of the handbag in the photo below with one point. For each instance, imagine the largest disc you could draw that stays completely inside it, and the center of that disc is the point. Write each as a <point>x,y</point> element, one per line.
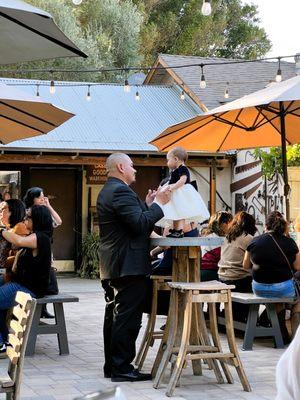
<point>52,286</point>
<point>295,280</point>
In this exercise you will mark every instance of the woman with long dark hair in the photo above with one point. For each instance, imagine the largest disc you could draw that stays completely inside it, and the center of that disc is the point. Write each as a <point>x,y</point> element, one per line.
<point>35,196</point>
<point>240,233</point>
<point>272,257</point>
<point>217,226</point>
<point>32,267</point>
<point>12,213</point>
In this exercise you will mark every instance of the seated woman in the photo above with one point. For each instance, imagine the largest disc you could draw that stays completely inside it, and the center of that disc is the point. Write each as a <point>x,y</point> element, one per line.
<point>12,213</point>
<point>217,226</point>
<point>32,263</point>
<point>240,233</point>
<point>272,257</point>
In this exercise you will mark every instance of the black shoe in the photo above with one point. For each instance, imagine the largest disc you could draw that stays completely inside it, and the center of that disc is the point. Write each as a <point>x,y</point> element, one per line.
<point>132,376</point>
<point>176,234</point>
<point>163,327</point>
<point>107,374</point>
<point>45,313</point>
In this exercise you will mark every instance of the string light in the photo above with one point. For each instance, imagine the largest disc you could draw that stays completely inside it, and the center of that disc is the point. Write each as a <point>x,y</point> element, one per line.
<point>77,2</point>
<point>278,75</point>
<point>88,95</point>
<point>202,81</point>
<point>206,8</point>
<point>182,95</point>
<point>126,86</point>
<point>226,93</point>
<point>137,96</point>
<point>37,90</point>
<point>52,87</point>
<point>146,68</point>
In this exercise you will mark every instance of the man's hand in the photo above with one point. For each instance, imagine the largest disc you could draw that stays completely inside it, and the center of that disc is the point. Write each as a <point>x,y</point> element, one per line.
<point>163,196</point>
<point>150,197</point>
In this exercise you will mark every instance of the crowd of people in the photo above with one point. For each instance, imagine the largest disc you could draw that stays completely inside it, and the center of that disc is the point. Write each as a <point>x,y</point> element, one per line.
<point>262,263</point>
<point>25,250</point>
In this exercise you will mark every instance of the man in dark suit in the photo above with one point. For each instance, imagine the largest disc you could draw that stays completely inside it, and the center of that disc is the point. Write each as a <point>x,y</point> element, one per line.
<point>125,226</point>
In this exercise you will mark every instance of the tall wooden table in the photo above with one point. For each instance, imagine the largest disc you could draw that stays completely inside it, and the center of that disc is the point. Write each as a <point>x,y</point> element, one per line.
<point>186,268</point>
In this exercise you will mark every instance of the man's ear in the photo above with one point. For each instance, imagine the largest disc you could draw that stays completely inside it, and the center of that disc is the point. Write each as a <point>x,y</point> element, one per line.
<point>120,168</point>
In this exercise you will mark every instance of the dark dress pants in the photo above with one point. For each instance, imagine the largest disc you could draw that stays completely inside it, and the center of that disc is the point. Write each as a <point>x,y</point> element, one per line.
<point>109,296</point>
<point>124,320</point>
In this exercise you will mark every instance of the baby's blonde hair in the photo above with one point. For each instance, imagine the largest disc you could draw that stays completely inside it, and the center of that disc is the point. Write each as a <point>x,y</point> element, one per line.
<point>180,153</point>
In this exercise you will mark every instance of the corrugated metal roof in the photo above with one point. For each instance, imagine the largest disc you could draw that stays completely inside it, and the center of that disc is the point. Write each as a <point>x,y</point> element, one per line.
<point>244,78</point>
<point>112,120</point>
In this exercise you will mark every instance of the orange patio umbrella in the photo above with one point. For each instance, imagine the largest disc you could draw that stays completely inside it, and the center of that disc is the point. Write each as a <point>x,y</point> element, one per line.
<point>23,116</point>
<point>268,117</point>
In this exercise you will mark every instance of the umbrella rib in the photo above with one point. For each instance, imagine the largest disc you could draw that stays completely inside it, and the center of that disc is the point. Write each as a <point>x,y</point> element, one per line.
<point>175,129</point>
<point>182,137</point>
<point>21,123</point>
<point>274,126</point>
<point>232,125</point>
<point>50,38</point>
<point>27,113</point>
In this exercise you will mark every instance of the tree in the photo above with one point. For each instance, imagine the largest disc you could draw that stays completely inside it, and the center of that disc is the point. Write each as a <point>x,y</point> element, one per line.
<point>178,27</point>
<point>106,30</point>
<point>272,159</point>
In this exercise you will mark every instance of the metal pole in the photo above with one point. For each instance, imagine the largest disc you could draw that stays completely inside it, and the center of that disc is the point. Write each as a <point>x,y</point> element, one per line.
<point>284,161</point>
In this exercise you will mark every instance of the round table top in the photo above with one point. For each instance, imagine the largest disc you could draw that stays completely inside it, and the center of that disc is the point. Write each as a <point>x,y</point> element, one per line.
<point>187,241</point>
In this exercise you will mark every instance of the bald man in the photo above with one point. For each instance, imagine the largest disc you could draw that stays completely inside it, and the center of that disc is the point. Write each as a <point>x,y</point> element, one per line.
<point>125,224</point>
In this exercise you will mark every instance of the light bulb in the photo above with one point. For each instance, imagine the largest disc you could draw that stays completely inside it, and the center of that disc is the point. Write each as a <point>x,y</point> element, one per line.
<point>77,2</point>
<point>202,82</point>
<point>37,90</point>
<point>52,87</point>
<point>226,93</point>
<point>206,8</point>
<point>126,86</point>
<point>88,95</point>
<point>182,95</point>
<point>137,96</point>
<point>278,76</point>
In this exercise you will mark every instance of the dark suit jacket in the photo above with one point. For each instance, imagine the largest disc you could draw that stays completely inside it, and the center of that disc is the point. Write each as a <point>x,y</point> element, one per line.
<point>125,225</point>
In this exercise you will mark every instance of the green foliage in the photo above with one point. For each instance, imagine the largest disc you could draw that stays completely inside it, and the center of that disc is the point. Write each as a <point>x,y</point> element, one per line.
<point>116,33</point>
<point>90,256</point>
<point>293,155</point>
<point>272,159</point>
<point>106,30</point>
<point>178,27</point>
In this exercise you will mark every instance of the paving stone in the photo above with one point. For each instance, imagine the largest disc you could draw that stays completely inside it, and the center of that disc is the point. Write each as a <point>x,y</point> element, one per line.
<point>49,376</point>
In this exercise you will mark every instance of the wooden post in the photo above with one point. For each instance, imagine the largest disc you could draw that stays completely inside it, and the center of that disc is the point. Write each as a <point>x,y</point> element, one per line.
<point>212,188</point>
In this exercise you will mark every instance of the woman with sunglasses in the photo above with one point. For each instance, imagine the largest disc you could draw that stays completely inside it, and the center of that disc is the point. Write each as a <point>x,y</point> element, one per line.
<point>32,267</point>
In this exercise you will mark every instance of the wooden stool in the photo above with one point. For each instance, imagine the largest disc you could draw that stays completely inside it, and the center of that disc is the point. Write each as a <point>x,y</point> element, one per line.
<point>211,292</point>
<point>159,283</point>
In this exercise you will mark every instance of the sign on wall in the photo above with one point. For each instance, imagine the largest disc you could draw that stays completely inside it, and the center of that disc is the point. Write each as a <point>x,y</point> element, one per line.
<point>95,174</point>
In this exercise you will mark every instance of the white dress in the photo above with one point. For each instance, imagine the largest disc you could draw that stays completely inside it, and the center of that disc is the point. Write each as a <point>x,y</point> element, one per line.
<point>186,203</point>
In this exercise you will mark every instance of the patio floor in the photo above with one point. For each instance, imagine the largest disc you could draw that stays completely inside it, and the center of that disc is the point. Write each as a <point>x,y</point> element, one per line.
<point>48,376</point>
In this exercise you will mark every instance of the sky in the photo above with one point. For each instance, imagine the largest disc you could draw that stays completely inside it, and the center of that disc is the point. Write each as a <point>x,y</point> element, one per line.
<point>281,21</point>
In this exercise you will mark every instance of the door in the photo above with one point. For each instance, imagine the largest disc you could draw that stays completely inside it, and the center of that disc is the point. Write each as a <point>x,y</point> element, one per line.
<point>60,186</point>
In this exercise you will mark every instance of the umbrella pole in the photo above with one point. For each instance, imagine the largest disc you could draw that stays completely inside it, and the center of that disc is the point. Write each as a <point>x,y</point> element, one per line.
<point>284,161</point>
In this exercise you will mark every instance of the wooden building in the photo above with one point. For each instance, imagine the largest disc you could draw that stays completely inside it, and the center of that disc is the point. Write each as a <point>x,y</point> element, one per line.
<point>68,163</point>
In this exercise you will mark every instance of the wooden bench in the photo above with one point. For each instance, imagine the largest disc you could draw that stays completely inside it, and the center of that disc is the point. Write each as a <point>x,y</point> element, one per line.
<point>58,327</point>
<point>250,328</point>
